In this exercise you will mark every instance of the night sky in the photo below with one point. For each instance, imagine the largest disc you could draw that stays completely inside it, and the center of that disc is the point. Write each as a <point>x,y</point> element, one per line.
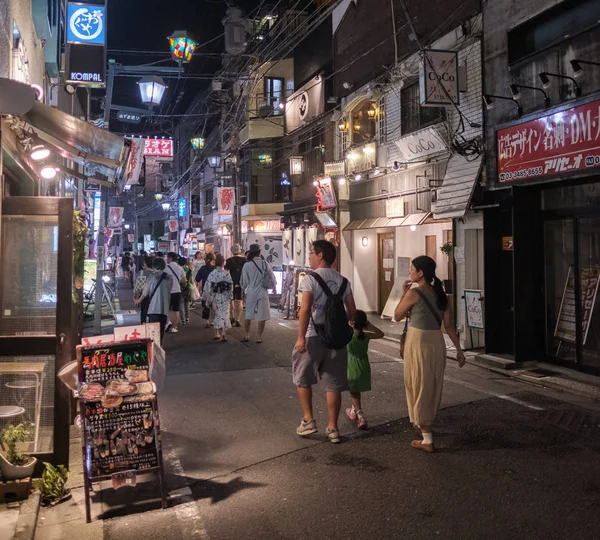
<point>143,25</point>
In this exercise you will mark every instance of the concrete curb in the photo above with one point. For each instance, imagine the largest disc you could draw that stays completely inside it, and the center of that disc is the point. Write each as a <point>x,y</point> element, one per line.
<point>28,517</point>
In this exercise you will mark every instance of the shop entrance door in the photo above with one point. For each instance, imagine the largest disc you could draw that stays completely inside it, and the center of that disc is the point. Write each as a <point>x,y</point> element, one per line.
<point>386,267</point>
<point>36,260</point>
<point>572,248</point>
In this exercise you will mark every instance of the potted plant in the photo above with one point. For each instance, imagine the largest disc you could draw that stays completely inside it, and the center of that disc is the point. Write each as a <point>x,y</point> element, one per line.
<point>52,485</point>
<point>15,466</point>
<point>446,249</point>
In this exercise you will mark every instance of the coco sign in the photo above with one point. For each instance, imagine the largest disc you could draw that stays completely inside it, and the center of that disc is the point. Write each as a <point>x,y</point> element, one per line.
<point>420,144</point>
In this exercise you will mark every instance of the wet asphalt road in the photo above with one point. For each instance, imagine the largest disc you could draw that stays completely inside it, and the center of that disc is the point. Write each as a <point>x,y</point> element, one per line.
<point>515,461</point>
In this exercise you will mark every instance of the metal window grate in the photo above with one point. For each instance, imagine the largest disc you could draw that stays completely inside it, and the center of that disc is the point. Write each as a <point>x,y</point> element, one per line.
<point>29,263</point>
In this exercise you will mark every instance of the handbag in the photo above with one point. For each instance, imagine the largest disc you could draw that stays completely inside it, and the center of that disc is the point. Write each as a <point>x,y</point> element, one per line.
<point>267,279</point>
<point>195,293</point>
<point>206,312</point>
<point>403,338</point>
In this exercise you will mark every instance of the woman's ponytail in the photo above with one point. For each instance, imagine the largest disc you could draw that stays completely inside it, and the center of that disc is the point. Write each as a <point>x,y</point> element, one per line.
<point>440,293</point>
<point>427,265</point>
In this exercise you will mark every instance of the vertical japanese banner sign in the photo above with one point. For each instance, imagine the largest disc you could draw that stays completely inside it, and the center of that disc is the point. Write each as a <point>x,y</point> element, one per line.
<point>172,224</point>
<point>299,246</point>
<point>311,236</point>
<point>226,200</point>
<point>115,216</point>
<point>288,249</point>
<point>134,164</point>
<point>130,237</point>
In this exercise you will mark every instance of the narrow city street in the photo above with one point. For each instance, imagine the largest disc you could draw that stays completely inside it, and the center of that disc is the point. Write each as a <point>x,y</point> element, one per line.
<point>514,460</point>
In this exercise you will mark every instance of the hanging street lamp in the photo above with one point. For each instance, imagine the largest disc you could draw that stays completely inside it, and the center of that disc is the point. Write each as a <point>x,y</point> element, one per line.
<point>182,46</point>
<point>152,89</point>
<point>197,143</point>
<point>214,161</point>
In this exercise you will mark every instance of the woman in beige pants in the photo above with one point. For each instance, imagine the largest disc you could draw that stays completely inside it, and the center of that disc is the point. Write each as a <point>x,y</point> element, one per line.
<point>425,347</point>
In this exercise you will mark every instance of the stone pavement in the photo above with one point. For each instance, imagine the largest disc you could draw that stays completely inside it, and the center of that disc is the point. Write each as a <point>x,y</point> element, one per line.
<point>515,460</point>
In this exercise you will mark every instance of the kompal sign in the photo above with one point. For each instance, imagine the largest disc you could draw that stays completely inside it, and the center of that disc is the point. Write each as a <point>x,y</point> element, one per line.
<point>438,78</point>
<point>86,44</point>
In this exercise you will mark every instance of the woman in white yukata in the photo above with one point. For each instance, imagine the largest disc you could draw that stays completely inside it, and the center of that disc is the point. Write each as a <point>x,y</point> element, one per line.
<point>218,292</point>
<point>257,296</point>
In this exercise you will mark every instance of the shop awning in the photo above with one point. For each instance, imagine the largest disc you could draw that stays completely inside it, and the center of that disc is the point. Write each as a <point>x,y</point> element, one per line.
<point>379,223</point>
<point>454,197</point>
<point>84,143</point>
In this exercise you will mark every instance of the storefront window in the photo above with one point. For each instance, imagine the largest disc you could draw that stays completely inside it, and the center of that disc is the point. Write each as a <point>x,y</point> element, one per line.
<point>560,290</point>
<point>589,268</point>
<point>27,396</point>
<point>363,123</point>
<point>585,195</point>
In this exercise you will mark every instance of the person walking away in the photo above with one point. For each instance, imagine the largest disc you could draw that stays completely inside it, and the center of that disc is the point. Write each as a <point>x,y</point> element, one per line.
<point>257,294</point>
<point>324,293</point>
<point>179,281</point>
<point>218,292</point>
<point>126,267</point>
<point>196,263</point>
<point>359,369</point>
<point>158,291</point>
<point>234,266</point>
<point>202,276</point>
<point>138,288</point>
<point>425,347</point>
<point>287,303</point>
<point>186,291</point>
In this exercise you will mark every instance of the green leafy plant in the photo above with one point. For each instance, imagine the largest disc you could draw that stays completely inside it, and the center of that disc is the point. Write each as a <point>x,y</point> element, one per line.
<point>80,232</point>
<point>52,484</point>
<point>446,249</point>
<point>10,438</point>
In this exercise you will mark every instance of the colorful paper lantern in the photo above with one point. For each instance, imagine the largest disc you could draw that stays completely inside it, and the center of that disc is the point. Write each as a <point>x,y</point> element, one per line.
<point>182,46</point>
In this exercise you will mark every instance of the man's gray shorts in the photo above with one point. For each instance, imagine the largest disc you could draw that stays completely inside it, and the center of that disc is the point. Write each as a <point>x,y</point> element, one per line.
<point>320,362</point>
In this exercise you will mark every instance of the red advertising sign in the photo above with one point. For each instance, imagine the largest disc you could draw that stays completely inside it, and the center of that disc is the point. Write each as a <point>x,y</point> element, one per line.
<point>558,143</point>
<point>158,147</point>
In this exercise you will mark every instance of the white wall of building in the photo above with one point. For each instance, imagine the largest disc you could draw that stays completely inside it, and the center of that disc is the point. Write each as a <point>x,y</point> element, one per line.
<point>18,13</point>
<point>365,265</point>
<point>412,244</point>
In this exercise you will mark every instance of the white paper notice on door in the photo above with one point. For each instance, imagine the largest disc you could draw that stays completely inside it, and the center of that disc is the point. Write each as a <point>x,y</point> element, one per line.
<point>388,263</point>
<point>388,276</point>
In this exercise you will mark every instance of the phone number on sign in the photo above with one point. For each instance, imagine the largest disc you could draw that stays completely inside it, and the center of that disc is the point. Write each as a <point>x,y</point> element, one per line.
<point>522,173</point>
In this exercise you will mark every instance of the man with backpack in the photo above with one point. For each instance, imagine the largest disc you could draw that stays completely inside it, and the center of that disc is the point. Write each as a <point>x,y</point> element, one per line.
<point>158,290</point>
<point>327,305</point>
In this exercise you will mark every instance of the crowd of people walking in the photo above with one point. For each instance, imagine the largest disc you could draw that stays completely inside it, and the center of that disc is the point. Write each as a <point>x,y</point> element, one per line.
<point>333,336</point>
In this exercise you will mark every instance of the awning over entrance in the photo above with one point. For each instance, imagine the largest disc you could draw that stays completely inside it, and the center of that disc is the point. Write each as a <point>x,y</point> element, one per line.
<point>378,223</point>
<point>100,150</point>
<point>454,196</point>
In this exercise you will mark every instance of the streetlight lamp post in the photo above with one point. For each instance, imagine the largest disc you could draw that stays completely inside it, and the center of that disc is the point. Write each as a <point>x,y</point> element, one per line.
<point>152,89</point>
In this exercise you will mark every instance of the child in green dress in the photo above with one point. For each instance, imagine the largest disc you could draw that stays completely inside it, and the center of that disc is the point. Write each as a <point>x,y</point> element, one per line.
<point>359,369</point>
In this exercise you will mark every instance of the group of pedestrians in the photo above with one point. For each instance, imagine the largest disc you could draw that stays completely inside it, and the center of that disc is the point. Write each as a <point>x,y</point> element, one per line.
<point>326,350</point>
<point>227,289</point>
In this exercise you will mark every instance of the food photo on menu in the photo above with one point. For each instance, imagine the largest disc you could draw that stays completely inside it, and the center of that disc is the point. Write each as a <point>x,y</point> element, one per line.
<point>134,388</point>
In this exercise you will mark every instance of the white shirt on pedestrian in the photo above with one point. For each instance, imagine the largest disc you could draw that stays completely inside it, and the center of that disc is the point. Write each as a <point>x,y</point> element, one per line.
<point>319,299</point>
<point>179,272</point>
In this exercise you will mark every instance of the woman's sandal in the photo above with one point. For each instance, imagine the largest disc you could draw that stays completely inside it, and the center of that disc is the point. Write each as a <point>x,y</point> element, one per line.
<point>420,445</point>
<point>223,339</point>
<point>245,340</point>
<point>259,341</point>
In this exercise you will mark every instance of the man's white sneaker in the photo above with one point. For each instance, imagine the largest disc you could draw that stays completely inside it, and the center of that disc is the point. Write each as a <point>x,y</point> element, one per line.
<point>307,428</point>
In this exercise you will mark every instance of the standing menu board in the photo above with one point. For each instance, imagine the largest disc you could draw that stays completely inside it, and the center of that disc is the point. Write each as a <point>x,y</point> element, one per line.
<point>473,309</point>
<point>565,325</point>
<point>121,432</point>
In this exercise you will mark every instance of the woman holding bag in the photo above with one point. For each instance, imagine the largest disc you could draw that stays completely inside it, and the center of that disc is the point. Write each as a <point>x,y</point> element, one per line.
<point>425,347</point>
